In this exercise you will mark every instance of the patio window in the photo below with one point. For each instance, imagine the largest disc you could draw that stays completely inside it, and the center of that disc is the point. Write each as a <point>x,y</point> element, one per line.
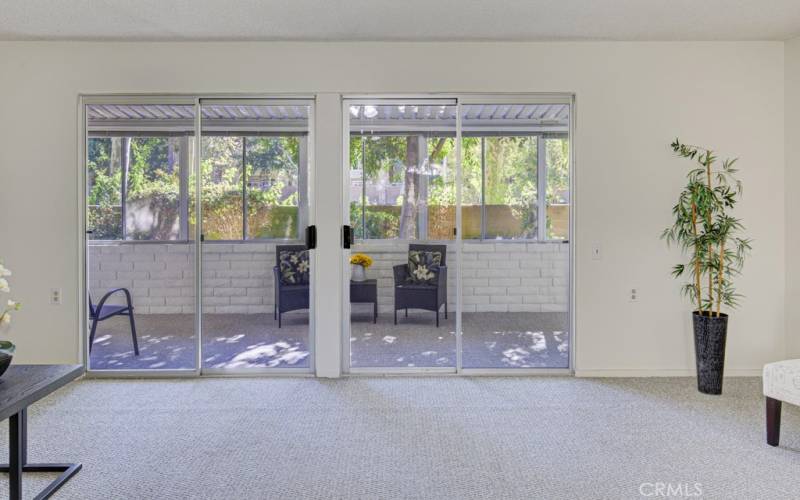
<point>134,187</point>
<point>272,178</point>
<point>503,194</point>
<point>140,187</point>
<point>381,180</point>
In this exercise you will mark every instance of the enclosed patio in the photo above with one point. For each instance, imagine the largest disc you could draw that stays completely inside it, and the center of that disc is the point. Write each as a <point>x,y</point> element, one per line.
<point>507,269</point>
<point>240,341</point>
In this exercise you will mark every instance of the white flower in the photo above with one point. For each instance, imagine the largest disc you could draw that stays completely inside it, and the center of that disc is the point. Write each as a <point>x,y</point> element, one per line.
<point>11,303</point>
<point>4,285</point>
<point>6,319</point>
<point>4,271</point>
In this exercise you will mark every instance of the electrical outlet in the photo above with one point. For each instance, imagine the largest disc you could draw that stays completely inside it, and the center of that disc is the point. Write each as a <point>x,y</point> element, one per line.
<point>55,296</point>
<point>633,295</point>
<point>596,252</point>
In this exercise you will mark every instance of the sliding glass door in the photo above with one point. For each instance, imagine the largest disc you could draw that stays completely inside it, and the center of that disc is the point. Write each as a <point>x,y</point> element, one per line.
<point>200,244</point>
<point>173,285</point>
<point>515,233</point>
<point>401,208</point>
<point>140,249</point>
<point>256,266</point>
<point>460,220</point>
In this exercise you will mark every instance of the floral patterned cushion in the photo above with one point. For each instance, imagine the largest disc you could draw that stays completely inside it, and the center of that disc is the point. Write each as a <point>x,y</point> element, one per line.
<point>294,267</point>
<point>423,267</point>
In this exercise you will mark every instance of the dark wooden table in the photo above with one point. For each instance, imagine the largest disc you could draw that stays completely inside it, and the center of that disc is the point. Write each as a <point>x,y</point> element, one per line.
<point>20,387</point>
<point>365,292</point>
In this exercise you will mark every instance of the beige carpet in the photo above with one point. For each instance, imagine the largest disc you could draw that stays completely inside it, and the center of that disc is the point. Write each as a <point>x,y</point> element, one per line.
<point>410,438</point>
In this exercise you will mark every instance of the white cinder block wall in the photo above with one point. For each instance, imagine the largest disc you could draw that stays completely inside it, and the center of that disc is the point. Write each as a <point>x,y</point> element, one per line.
<point>237,277</point>
<point>500,277</point>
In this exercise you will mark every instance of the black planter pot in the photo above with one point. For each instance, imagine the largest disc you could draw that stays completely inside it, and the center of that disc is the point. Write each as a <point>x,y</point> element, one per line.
<point>710,333</point>
<point>5,361</point>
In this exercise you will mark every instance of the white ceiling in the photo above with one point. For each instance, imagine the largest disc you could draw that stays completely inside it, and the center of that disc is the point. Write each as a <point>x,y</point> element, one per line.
<point>425,20</point>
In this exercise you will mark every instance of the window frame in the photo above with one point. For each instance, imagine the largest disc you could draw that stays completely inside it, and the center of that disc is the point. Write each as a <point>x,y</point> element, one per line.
<point>184,169</point>
<point>541,184</point>
<point>183,187</point>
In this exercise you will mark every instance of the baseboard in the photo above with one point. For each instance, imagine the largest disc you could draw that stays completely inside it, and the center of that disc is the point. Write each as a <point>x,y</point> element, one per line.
<point>678,372</point>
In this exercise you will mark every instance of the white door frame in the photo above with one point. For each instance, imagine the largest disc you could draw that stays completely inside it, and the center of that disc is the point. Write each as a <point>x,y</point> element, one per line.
<point>328,157</point>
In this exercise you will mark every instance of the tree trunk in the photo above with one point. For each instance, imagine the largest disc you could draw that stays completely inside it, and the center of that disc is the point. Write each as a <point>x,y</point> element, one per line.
<point>409,212</point>
<point>125,163</point>
<point>171,155</point>
<point>114,158</point>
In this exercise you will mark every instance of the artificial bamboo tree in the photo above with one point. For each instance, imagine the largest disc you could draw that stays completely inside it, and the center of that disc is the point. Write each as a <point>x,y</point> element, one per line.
<point>706,231</point>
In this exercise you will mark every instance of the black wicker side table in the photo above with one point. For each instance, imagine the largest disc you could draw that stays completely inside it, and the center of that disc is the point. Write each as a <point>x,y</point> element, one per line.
<point>365,292</point>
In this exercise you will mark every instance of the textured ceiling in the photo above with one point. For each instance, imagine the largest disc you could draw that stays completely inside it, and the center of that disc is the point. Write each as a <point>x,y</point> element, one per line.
<point>424,20</point>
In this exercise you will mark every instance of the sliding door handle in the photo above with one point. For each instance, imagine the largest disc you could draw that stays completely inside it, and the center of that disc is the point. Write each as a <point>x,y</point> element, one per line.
<point>311,237</point>
<point>348,237</point>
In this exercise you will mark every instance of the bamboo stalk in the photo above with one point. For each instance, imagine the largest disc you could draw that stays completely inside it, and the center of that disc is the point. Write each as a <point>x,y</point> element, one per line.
<point>708,228</point>
<point>696,262</point>
<point>719,275</point>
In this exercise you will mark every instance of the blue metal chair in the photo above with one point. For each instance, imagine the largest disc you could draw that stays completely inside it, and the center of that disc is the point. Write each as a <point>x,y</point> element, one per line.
<point>104,311</point>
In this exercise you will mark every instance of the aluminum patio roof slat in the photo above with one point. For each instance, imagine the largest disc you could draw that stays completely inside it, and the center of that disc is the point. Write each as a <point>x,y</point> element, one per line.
<point>508,114</point>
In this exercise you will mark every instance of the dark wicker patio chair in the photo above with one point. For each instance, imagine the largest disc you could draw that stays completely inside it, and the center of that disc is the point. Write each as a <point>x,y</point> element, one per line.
<point>415,294</point>
<point>289,296</point>
<point>103,311</point>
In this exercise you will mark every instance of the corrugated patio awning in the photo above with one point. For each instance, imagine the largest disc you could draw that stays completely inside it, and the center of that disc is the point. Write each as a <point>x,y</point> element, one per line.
<point>363,117</point>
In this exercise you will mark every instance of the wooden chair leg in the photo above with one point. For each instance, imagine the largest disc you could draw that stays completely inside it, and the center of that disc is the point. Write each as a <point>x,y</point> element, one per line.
<point>773,421</point>
<point>133,333</point>
<point>395,316</point>
<point>437,318</point>
<point>406,312</point>
<point>91,335</point>
<point>445,310</point>
<point>279,319</point>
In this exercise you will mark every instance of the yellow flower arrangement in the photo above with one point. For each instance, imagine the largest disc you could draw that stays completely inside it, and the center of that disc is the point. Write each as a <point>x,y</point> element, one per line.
<point>360,259</point>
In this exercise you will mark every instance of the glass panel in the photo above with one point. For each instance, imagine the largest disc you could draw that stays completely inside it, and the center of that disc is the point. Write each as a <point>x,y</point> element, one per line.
<point>223,189</point>
<point>272,183</point>
<point>472,161</point>
<point>380,181</point>
<point>557,188</point>
<point>515,289</point>
<point>140,254</point>
<point>402,206</point>
<point>152,204</point>
<point>510,187</point>
<point>256,271</point>
<point>104,179</point>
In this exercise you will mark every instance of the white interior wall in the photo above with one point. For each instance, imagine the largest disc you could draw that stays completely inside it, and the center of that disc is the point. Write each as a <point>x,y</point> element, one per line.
<point>792,59</point>
<point>632,100</point>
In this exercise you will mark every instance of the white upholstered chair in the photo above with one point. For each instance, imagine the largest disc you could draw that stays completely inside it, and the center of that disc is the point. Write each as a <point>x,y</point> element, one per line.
<point>781,383</point>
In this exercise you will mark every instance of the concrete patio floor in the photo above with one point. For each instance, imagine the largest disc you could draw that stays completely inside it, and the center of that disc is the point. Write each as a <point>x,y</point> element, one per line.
<point>237,341</point>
